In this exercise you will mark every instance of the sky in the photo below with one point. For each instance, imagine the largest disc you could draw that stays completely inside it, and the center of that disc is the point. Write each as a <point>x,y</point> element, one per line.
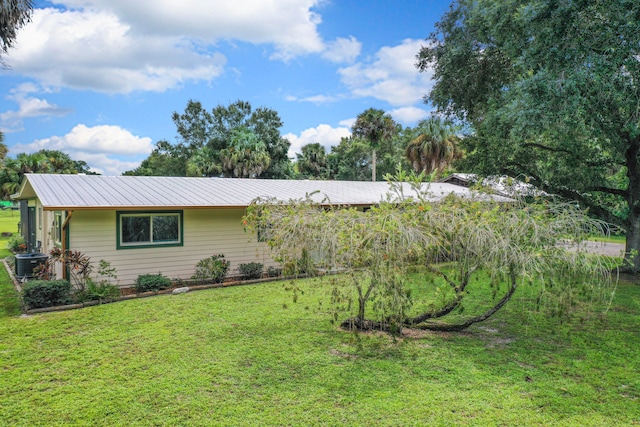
<point>100,79</point>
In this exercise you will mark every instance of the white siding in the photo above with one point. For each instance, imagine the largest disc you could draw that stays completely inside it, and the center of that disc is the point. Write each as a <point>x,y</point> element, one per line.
<point>206,232</point>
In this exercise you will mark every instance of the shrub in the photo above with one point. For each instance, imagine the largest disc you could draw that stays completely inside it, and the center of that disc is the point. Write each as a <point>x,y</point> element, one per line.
<point>17,244</point>
<point>213,269</point>
<point>274,271</point>
<point>46,293</point>
<point>251,270</point>
<point>152,282</point>
<point>102,291</point>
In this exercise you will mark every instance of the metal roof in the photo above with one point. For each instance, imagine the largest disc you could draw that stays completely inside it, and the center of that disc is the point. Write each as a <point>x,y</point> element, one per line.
<point>68,192</point>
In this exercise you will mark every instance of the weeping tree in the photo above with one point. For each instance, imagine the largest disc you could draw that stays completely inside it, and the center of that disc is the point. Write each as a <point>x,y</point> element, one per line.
<point>454,244</point>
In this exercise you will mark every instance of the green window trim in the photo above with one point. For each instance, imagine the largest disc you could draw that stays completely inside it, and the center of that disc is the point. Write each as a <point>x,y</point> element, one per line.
<point>149,237</point>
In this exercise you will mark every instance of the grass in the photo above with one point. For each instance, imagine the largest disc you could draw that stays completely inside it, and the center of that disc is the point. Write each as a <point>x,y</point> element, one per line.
<point>9,300</point>
<point>237,356</point>
<point>613,238</point>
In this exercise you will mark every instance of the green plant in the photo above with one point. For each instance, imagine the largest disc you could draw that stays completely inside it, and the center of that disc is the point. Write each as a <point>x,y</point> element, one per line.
<point>152,282</point>
<point>17,244</point>
<point>300,266</point>
<point>106,271</point>
<point>100,291</point>
<point>274,271</point>
<point>46,293</point>
<point>212,269</point>
<point>251,270</point>
<point>78,264</point>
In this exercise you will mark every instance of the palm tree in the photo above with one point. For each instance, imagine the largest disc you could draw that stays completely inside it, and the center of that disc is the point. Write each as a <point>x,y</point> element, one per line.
<point>375,126</point>
<point>246,156</point>
<point>435,147</point>
<point>13,15</point>
<point>203,163</point>
<point>312,162</point>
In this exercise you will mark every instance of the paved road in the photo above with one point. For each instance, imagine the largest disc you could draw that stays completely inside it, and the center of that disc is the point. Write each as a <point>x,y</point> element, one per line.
<point>603,248</point>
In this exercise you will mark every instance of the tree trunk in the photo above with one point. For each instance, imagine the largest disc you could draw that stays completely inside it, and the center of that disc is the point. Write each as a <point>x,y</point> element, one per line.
<point>632,247</point>
<point>481,318</point>
<point>373,165</point>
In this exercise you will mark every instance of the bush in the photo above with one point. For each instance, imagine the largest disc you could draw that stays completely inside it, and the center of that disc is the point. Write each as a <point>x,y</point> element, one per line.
<point>102,291</point>
<point>46,293</point>
<point>274,271</point>
<point>152,282</point>
<point>17,244</point>
<point>213,269</point>
<point>251,270</point>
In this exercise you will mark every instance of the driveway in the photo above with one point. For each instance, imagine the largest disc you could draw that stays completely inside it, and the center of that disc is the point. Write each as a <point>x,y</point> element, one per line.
<point>602,248</point>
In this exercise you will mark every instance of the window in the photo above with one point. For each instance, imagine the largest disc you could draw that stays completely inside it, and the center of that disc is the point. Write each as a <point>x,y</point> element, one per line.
<point>57,229</point>
<point>144,229</point>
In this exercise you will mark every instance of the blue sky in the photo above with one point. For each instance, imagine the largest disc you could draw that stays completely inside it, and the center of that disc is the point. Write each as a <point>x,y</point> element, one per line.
<point>99,79</point>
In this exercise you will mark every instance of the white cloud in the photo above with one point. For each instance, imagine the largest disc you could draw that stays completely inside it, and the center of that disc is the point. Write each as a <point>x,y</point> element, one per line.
<point>326,135</point>
<point>290,25</point>
<point>391,76</point>
<point>28,106</point>
<point>348,122</point>
<point>107,149</point>
<point>315,99</point>
<point>122,46</point>
<point>408,115</point>
<point>96,50</point>
<point>342,50</point>
<point>106,165</point>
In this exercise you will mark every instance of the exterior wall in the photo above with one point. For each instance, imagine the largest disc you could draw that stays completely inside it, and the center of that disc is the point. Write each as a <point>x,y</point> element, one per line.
<point>206,232</point>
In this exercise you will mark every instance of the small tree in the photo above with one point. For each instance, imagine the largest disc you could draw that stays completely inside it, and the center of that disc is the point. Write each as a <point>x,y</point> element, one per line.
<point>511,243</point>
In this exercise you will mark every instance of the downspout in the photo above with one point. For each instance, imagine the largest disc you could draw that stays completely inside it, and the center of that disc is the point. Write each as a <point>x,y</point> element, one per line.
<point>65,243</point>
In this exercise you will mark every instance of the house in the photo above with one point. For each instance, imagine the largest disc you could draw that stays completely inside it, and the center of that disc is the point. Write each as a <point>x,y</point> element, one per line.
<point>501,185</point>
<point>167,224</point>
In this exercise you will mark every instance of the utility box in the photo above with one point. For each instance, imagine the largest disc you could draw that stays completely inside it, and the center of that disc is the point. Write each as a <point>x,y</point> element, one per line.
<point>26,263</point>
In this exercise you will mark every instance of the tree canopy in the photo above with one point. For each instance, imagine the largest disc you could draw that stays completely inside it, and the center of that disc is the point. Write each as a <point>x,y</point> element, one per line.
<point>551,91</point>
<point>434,147</point>
<point>43,161</point>
<point>230,141</point>
<point>14,14</point>
<point>375,127</point>
<point>489,249</point>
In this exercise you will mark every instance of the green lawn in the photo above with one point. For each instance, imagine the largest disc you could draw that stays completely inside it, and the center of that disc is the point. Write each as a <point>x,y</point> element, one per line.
<point>237,356</point>
<point>9,302</point>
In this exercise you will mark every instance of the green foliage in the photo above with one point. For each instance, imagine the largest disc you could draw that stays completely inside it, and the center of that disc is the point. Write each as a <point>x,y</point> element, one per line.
<point>434,147</point>
<point>274,271</point>
<point>213,269</point>
<point>375,127</point>
<point>97,291</point>
<point>231,141</point>
<point>13,16</point>
<point>16,244</point>
<point>103,290</point>
<point>78,264</point>
<point>550,90</point>
<point>46,293</point>
<point>43,161</point>
<point>251,270</point>
<point>516,244</point>
<point>312,162</point>
<point>151,282</point>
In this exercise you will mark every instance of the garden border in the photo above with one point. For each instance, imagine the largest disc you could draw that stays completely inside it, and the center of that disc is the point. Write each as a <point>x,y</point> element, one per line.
<point>233,282</point>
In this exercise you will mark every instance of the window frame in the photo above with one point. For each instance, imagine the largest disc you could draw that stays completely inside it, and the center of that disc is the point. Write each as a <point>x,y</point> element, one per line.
<point>57,228</point>
<point>151,243</point>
